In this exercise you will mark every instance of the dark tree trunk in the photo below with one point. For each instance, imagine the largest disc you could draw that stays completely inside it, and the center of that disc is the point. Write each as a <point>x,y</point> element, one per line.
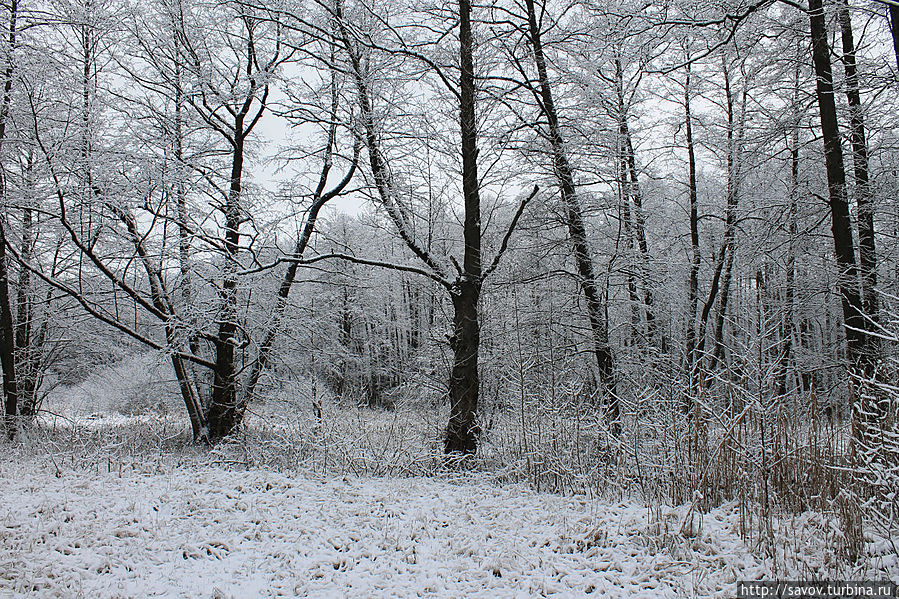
<point>577,231</point>
<point>867,252</point>
<point>696,258</point>
<point>7,334</point>
<point>7,346</point>
<point>894,28</point>
<point>860,358</point>
<point>244,107</point>
<point>223,417</point>
<point>461,433</point>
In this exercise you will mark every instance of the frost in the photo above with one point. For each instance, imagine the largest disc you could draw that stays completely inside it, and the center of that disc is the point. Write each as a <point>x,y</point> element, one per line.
<point>202,531</point>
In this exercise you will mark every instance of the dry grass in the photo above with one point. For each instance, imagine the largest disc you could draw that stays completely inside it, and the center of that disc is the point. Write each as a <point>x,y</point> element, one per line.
<point>782,464</point>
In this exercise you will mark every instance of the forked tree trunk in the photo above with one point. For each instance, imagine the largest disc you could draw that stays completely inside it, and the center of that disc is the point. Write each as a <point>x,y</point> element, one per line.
<point>465,290</point>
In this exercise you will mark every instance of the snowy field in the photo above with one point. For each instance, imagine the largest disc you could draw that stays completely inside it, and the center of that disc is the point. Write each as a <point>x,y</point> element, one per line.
<point>203,531</point>
<point>98,504</point>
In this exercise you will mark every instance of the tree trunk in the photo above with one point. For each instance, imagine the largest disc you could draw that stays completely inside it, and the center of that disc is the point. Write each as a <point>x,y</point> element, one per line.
<point>463,387</point>
<point>7,347</point>
<point>867,253</point>
<point>855,327</point>
<point>7,334</point>
<point>577,231</point>
<point>223,416</point>
<point>894,28</point>
<point>693,289</point>
<point>633,193</point>
<point>461,433</point>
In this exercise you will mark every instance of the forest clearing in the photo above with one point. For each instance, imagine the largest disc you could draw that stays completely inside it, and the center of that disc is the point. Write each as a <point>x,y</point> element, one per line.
<point>409,298</point>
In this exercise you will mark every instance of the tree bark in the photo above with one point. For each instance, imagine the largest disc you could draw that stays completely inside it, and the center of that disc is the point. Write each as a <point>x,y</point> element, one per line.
<point>7,346</point>
<point>577,231</point>
<point>696,258</point>
<point>7,333</point>
<point>223,415</point>
<point>860,358</point>
<point>867,252</point>
<point>631,182</point>
<point>461,433</point>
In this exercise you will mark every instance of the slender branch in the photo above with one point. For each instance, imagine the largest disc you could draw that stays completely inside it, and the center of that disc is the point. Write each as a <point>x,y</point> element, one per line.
<point>505,244</point>
<point>99,315</point>
<point>379,264</point>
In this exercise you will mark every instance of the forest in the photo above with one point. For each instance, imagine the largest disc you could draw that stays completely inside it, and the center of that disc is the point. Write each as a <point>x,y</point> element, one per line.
<point>641,251</point>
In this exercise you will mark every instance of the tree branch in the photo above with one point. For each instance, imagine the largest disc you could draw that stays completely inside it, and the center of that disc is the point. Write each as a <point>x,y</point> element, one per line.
<point>505,244</point>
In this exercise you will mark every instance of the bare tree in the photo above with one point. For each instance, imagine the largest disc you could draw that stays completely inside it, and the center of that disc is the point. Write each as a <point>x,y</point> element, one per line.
<point>7,334</point>
<point>573,213</point>
<point>860,342</point>
<point>464,288</point>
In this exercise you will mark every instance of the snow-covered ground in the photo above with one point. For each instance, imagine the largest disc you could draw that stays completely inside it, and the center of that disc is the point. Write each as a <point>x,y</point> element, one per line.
<point>203,531</point>
<point>97,504</point>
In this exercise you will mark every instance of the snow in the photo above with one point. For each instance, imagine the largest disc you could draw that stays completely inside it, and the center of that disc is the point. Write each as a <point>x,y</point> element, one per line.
<point>172,530</point>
